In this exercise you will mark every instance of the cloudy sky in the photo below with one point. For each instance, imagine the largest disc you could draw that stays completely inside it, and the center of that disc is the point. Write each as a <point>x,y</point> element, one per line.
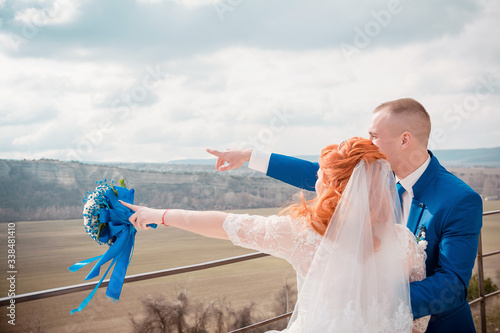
<point>157,80</point>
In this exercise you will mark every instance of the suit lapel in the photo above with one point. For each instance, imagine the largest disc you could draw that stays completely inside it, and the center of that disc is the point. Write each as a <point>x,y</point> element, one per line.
<point>417,207</point>
<point>416,211</point>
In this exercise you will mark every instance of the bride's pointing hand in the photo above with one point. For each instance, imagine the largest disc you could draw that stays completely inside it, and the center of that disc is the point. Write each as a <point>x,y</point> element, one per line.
<point>144,215</point>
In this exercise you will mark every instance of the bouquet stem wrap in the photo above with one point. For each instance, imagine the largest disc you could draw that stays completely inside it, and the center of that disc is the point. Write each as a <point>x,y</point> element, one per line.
<point>118,232</point>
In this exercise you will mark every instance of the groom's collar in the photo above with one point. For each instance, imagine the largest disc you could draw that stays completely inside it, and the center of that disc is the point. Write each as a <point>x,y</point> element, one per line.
<point>409,181</point>
<point>427,175</point>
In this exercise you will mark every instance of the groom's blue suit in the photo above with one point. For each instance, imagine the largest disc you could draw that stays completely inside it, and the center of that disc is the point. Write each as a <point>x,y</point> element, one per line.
<point>452,215</point>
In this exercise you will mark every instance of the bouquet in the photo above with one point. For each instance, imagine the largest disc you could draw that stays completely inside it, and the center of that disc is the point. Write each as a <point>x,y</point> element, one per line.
<point>106,221</point>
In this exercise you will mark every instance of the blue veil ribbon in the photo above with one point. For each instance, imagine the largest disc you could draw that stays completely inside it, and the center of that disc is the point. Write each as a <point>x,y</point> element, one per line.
<point>121,232</point>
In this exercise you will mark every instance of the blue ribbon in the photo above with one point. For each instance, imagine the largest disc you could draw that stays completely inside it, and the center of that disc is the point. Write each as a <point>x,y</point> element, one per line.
<point>122,233</point>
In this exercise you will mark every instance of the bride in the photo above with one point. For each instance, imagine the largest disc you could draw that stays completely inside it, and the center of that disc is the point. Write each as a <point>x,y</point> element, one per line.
<point>353,259</point>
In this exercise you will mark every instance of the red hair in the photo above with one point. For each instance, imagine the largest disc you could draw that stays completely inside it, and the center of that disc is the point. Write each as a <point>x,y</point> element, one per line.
<point>337,164</point>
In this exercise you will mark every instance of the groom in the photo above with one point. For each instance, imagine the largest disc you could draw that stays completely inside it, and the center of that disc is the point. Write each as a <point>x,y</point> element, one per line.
<point>437,206</point>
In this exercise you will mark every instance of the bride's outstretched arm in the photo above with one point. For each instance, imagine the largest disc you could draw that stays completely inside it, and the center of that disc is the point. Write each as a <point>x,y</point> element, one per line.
<point>207,223</point>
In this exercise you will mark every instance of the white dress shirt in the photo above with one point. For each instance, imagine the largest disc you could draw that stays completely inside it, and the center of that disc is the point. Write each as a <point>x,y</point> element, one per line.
<point>259,160</point>
<point>408,183</point>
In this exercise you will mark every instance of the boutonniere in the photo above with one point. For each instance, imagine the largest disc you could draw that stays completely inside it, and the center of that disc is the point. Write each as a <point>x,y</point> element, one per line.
<point>421,237</point>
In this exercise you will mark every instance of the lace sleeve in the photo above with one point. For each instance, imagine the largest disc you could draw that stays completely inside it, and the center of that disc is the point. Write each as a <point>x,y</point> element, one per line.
<point>415,260</point>
<point>417,257</point>
<point>413,255</point>
<point>280,236</point>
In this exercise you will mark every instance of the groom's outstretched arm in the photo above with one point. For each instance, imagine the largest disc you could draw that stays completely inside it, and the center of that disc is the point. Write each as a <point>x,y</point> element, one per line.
<point>294,171</point>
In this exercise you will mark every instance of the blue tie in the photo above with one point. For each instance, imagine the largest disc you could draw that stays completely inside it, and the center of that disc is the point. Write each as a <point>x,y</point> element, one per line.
<point>401,190</point>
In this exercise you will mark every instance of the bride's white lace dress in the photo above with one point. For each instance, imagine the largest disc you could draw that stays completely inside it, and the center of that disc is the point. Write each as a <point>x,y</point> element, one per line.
<point>297,242</point>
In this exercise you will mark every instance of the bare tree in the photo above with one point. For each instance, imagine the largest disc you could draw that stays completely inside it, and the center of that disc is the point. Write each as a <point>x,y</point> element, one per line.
<point>183,315</point>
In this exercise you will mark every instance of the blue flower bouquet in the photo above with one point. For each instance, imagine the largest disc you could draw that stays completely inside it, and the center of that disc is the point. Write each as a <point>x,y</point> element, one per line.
<point>106,220</point>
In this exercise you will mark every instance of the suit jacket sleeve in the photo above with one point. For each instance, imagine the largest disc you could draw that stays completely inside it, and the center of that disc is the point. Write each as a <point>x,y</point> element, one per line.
<point>294,171</point>
<point>446,288</point>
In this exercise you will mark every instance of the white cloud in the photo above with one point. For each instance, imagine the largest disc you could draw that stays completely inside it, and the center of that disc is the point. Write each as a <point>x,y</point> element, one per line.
<point>52,13</point>
<point>154,81</point>
<point>193,3</point>
<point>176,29</point>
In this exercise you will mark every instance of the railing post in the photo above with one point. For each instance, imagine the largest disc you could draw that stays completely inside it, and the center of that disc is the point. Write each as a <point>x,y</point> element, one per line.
<point>480,278</point>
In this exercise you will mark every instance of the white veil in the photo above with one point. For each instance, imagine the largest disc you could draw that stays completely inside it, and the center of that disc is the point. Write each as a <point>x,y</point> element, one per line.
<point>357,281</point>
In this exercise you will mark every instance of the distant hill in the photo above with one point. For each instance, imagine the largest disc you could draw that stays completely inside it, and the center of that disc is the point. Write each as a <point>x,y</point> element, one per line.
<point>200,161</point>
<point>482,157</point>
<point>50,189</point>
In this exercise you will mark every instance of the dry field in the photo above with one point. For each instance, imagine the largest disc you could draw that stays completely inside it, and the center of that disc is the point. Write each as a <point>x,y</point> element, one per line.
<point>44,251</point>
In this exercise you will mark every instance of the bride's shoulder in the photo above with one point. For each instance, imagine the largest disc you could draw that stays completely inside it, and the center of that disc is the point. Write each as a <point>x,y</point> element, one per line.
<point>303,229</point>
<point>402,230</point>
<point>403,234</point>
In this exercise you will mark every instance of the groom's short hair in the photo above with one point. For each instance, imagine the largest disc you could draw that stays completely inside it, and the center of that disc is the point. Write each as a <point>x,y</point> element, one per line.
<point>412,117</point>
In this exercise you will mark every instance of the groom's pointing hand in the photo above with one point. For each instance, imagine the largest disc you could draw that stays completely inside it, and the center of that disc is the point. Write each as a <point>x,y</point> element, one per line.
<point>233,157</point>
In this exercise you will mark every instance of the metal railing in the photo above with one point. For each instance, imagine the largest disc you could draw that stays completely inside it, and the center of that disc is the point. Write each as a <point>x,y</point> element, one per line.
<point>197,267</point>
<point>480,273</point>
<point>130,278</point>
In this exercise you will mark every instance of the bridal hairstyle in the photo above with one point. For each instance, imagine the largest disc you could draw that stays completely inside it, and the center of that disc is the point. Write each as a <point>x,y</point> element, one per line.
<point>337,163</point>
<point>358,278</point>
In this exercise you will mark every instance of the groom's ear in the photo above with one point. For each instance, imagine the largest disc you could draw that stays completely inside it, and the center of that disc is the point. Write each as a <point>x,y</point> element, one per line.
<point>406,139</point>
